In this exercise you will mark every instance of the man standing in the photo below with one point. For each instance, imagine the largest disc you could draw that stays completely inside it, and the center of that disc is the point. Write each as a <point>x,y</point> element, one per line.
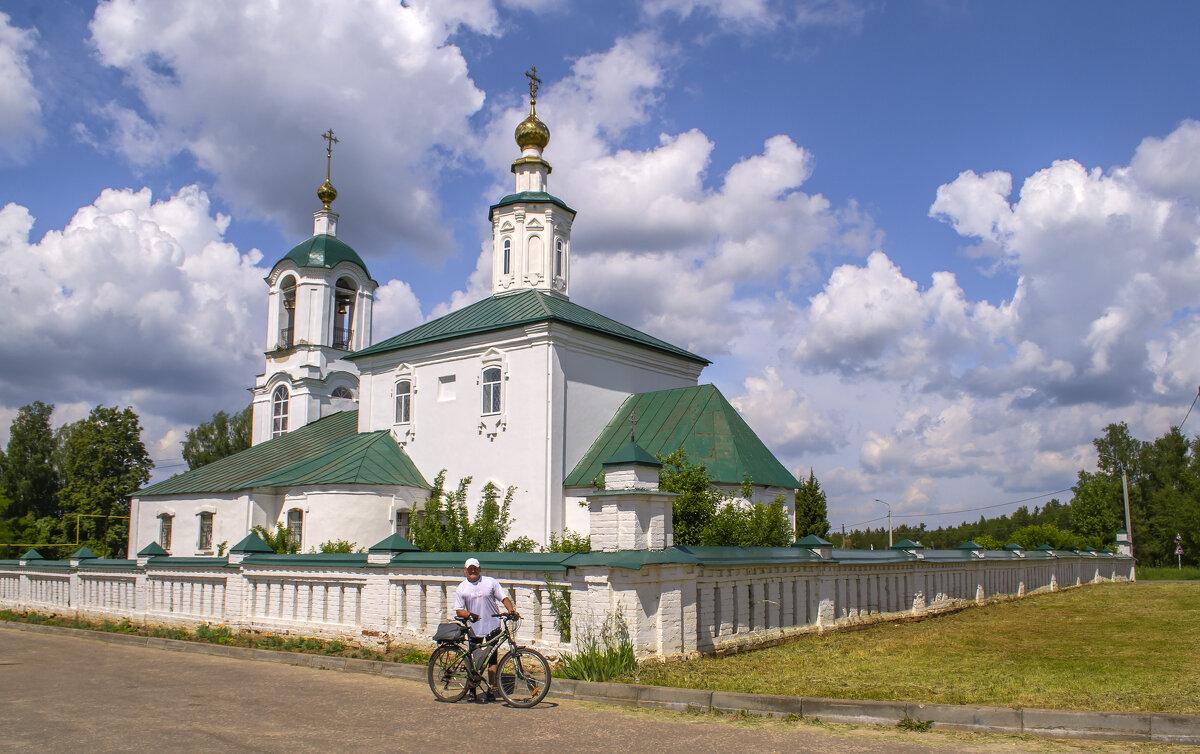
<point>475,598</point>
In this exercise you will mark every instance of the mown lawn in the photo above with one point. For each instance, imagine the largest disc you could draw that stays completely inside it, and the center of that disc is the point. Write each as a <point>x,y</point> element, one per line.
<point>1115,647</point>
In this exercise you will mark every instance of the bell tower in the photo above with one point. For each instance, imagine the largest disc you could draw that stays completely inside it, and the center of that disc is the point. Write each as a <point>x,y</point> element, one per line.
<point>531,229</point>
<point>319,304</point>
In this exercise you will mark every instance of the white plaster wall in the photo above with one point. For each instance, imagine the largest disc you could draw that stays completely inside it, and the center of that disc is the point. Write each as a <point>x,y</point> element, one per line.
<point>361,515</point>
<point>229,521</point>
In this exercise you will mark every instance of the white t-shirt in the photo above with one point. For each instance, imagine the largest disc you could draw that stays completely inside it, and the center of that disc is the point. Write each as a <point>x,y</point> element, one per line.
<point>480,598</point>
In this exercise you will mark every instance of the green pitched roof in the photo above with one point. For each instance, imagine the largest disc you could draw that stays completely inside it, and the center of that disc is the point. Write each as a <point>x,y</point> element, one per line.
<point>525,197</point>
<point>969,545</point>
<point>84,553</point>
<point>631,454</point>
<point>323,250</point>
<point>251,543</point>
<point>32,555</point>
<point>393,543</point>
<point>906,544</point>
<point>812,540</point>
<point>328,451</point>
<point>514,310</point>
<point>152,550</point>
<point>697,419</point>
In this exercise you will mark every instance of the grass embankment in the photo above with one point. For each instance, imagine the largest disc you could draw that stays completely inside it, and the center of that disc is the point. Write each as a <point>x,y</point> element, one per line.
<point>1168,573</point>
<point>1115,647</point>
<point>221,634</point>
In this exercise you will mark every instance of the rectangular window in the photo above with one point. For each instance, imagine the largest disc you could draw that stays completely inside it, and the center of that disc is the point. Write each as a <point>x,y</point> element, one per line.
<point>295,523</point>
<point>403,402</point>
<point>491,390</point>
<point>206,526</point>
<point>403,524</point>
<point>164,532</point>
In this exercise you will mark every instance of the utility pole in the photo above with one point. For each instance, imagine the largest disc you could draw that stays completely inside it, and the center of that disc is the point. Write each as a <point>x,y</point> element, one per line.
<point>889,507</point>
<point>1128,525</point>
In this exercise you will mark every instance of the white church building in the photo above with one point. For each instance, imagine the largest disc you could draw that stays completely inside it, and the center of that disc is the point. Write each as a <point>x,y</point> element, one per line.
<point>523,388</point>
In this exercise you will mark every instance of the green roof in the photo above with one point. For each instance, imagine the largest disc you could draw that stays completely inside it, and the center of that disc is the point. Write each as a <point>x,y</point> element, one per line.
<point>812,540</point>
<point>251,543</point>
<point>524,197</point>
<point>632,454</point>
<point>697,419</point>
<point>393,543</point>
<point>152,550</point>
<point>906,544</point>
<point>84,553</point>
<point>323,250</point>
<point>514,310</point>
<point>328,451</point>
<point>32,555</point>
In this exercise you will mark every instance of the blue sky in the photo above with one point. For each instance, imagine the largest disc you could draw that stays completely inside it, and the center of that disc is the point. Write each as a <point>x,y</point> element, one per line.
<point>932,248</point>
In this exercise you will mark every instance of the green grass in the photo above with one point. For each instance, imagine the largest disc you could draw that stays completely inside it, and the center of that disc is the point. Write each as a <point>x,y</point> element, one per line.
<point>1168,573</point>
<point>1117,647</point>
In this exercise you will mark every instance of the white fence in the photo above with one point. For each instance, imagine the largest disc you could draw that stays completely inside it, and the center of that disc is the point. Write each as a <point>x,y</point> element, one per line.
<point>672,608</point>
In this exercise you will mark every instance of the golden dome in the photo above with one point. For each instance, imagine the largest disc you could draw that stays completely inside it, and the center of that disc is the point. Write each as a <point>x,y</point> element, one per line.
<point>532,132</point>
<point>327,193</point>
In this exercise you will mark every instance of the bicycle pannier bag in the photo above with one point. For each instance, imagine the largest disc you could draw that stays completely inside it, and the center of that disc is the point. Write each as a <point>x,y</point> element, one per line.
<point>449,632</point>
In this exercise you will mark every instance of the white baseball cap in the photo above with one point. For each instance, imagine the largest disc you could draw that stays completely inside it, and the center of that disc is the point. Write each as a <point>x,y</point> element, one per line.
<point>471,562</point>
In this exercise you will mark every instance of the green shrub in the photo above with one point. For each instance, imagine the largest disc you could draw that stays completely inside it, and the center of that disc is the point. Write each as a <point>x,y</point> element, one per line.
<point>214,634</point>
<point>411,656</point>
<point>604,652</point>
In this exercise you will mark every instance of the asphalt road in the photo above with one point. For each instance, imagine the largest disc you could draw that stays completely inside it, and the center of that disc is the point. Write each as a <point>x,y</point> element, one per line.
<point>63,693</point>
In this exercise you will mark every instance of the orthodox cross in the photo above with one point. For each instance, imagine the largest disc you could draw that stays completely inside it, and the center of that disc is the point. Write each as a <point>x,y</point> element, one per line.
<point>533,85</point>
<point>633,427</point>
<point>330,140</point>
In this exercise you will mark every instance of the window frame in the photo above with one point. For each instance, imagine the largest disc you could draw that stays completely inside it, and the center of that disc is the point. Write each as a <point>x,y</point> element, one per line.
<point>166,525</point>
<point>295,528</point>
<point>507,257</point>
<point>493,389</point>
<point>407,396</point>
<point>206,526</point>
<point>281,399</point>
<point>559,267</point>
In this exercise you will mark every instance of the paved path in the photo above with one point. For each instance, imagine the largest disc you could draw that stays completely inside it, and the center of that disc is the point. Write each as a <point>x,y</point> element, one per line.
<point>62,693</point>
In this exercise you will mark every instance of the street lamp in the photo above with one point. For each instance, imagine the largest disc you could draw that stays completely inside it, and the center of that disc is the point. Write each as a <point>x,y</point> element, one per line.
<point>889,507</point>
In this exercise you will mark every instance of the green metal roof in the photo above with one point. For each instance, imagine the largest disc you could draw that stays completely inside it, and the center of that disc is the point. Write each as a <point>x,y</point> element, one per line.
<point>32,555</point>
<point>84,553</point>
<point>812,540</point>
<point>152,550</point>
<point>488,561</point>
<point>528,197</point>
<point>323,250</point>
<point>328,451</point>
<point>514,310</point>
<point>631,454</point>
<point>697,419</point>
<point>311,559</point>
<point>393,543</point>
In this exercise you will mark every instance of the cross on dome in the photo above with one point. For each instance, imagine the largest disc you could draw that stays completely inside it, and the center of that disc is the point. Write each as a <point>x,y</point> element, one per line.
<point>327,193</point>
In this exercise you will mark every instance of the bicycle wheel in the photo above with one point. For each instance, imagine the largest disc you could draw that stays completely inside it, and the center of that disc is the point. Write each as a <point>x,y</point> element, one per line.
<point>524,678</point>
<point>448,673</point>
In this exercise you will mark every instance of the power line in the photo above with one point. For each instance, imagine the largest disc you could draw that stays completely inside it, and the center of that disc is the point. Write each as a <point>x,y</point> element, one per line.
<point>930,514</point>
<point>1189,411</point>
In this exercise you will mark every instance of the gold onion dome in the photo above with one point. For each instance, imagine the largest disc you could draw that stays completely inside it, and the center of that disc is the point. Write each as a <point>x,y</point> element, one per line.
<point>532,132</point>
<point>327,193</point>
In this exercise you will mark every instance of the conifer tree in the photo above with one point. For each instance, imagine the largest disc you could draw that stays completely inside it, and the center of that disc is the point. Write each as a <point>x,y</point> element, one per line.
<point>812,514</point>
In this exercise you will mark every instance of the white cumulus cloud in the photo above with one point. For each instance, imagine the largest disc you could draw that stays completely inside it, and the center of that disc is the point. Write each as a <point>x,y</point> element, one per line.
<point>20,107</point>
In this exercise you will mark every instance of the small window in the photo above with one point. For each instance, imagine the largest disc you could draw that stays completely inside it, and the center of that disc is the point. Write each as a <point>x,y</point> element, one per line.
<point>491,390</point>
<point>403,402</point>
<point>404,524</point>
<point>287,319</point>
<point>558,258</point>
<point>279,411</point>
<point>342,392</point>
<point>295,525</point>
<point>164,531</point>
<point>507,255</point>
<point>206,526</point>
<point>343,314</point>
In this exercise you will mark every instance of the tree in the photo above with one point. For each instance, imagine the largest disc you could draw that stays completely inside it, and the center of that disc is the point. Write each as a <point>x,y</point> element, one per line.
<point>28,473</point>
<point>698,500</point>
<point>812,512</point>
<point>444,524</point>
<point>104,464</point>
<point>222,436</point>
<point>1094,508</point>
<point>280,541</point>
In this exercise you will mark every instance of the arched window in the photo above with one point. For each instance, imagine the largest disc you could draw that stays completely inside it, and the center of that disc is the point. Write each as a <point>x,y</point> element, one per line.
<point>287,317</point>
<point>343,314</point>
<point>507,256</point>
<point>491,390</point>
<point>342,392</point>
<point>403,402</point>
<point>295,525</point>
<point>164,530</point>
<point>558,258</point>
<point>279,411</point>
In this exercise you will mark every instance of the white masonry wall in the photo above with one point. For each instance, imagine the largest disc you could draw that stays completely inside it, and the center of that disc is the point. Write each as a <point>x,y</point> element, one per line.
<point>672,610</point>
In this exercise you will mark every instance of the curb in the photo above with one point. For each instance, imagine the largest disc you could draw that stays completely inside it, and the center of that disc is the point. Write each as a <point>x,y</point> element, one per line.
<point>1157,727</point>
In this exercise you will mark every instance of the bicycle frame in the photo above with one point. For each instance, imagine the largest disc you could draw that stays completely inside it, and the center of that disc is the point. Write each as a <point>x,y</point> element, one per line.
<point>492,646</point>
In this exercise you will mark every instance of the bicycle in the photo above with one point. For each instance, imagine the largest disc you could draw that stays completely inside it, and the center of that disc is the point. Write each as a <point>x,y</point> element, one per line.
<point>523,675</point>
